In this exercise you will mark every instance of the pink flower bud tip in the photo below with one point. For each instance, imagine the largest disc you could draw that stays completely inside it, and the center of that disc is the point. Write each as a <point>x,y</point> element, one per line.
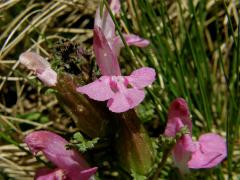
<point>40,67</point>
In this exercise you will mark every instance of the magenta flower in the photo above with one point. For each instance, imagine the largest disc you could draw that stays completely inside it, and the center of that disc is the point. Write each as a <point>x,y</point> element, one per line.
<point>208,152</point>
<point>122,92</point>
<point>40,67</point>
<point>70,164</point>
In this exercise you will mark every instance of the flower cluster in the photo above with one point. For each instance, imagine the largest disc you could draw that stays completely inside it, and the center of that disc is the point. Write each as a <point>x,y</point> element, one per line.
<point>122,93</point>
<point>207,152</point>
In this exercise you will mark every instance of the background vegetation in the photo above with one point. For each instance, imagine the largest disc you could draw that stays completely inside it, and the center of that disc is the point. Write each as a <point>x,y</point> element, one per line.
<point>195,47</point>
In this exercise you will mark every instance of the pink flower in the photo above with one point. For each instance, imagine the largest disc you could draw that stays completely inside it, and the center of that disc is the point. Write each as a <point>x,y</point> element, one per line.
<point>122,92</point>
<point>178,117</point>
<point>40,67</point>
<point>208,152</point>
<point>70,164</point>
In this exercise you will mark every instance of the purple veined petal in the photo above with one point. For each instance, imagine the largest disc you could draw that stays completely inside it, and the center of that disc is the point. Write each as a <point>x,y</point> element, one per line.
<point>49,174</point>
<point>106,60</point>
<point>130,39</point>
<point>179,109</point>
<point>48,77</point>
<point>40,67</point>
<point>211,151</point>
<point>99,90</point>
<point>123,101</point>
<point>53,147</point>
<point>142,77</point>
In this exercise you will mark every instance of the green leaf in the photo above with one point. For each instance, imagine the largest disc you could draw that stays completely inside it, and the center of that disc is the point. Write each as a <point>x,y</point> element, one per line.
<point>81,143</point>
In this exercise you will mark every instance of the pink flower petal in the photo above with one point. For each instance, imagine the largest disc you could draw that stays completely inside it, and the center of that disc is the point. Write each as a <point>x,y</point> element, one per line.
<point>142,77</point>
<point>54,148</point>
<point>105,58</point>
<point>178,117</point>
<point>118,103</point>
<point>99,90</point>
<point>48,77</point>
<point>33,61</point>
<point>135,97</point>
<point>182,153</point>
<point>210,141</point>
<point>105,22</point>
<point>40,67</point>
<point>85,174</point>
<point>49,174</point>
<point>130,39</point>
<point>123,101</point>
<point>183,149</point>
<point>179,109</point>
<point>173,126</point>
<point>211,151</point>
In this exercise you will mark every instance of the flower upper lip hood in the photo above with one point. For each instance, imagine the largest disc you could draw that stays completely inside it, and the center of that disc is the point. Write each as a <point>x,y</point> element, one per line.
<point>106,59</point>
<point>53,146</point>
<point>207,152</point>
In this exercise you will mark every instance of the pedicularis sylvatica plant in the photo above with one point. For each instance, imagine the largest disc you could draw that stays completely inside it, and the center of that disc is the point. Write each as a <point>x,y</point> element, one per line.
<point>103,108</point>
